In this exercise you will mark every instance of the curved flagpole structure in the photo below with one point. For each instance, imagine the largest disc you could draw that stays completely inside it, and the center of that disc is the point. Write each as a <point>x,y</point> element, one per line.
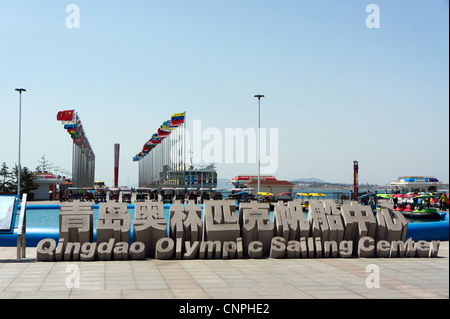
<point>161,158</point>
<point>83,157</point>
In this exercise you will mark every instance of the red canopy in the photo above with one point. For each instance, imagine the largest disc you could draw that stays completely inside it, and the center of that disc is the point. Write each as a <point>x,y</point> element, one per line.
<point>401,195</point>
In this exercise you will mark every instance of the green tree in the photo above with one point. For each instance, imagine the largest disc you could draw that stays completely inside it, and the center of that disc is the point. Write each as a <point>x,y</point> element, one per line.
<point>6,182</point>
<point>27,177</point>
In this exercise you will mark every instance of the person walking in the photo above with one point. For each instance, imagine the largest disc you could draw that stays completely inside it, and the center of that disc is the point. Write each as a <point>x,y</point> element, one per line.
<point>443,200</point>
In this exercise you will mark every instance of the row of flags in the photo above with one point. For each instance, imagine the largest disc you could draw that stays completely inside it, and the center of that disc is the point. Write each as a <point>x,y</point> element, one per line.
<point>163,131</point>
<point>72,124</point>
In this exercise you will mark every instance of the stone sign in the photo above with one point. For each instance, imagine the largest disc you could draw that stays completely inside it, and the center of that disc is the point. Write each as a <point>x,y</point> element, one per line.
<point>223,232</point>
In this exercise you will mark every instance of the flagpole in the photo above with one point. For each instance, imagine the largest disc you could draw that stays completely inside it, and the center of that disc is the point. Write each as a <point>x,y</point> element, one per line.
<point>259,137</point>
<point>19,168</point>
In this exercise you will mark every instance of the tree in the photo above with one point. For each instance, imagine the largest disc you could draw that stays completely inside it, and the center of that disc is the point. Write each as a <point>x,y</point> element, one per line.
<point>6,182</point>
<point>27,183</point>
<point>44,165</point>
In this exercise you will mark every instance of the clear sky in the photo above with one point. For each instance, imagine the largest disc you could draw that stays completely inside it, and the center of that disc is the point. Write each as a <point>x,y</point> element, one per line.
<point>336,90</point>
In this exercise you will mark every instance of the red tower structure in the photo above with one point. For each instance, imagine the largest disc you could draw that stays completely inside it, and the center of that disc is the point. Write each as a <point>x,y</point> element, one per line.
<point>116,164</point>
<point>355,180</point>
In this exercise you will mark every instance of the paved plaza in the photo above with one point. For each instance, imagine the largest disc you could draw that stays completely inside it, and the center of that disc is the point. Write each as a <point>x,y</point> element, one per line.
<point>353,278</point>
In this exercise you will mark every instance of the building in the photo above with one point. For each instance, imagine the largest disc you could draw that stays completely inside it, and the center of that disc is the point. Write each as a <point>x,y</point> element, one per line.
<point>179,177</point>
<point>242,180</point>
<point>195,178</point>
<point>272,186</point>
<point>414,184</point>
<point>47,185</point>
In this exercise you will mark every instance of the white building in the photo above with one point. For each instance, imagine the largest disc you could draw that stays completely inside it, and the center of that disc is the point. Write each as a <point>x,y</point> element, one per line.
<point>47,184</point>
<point>272,186</point>
<point>418,184</point>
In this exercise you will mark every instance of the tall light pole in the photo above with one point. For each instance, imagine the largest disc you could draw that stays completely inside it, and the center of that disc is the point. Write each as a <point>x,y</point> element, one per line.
<point>20,132</point>
<point>258,145</point>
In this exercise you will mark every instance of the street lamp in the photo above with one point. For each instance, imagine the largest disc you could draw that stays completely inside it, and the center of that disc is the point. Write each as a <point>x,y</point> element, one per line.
<point>258,145</point>
<point>20,129</point>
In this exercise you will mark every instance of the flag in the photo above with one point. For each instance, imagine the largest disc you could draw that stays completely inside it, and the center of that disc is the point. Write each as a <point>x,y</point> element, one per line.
<point>170,125</point>
<point>74,134</point>
<point>162,133</point>
<point>166,128</point>
<point>149,147</point>
<point>156,141</point>
<point>65,115</point>
<point>157,137</point>
<point>178,119</point>
<point>71,126</point>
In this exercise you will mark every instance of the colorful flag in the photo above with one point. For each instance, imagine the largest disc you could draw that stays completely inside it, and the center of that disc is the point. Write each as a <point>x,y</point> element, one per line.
<point>167,126</point>
<point>178,115</point>
<point>178,118</point>
<point>171,125</point>
<point>65,115</point>
<point>162,133</point>
<point>157,141</point>
<point>71,126</point>
<point>148,147</point>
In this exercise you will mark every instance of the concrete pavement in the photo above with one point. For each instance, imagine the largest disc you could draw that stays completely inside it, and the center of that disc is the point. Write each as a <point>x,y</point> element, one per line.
<point>353,278</point>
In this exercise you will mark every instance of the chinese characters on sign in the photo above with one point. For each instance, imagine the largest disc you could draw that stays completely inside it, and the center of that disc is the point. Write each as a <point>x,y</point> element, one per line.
<point>223,232</point>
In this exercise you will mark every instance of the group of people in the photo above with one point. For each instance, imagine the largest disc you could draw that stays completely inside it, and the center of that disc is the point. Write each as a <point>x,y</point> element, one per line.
<point>439,201</point>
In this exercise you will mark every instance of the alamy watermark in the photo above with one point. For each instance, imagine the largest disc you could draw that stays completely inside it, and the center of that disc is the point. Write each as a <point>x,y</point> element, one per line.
<point>73,19</point>
<point>228,146</point>
<point>373,279</point>
<point>373,19</point>
<point>73,277</point>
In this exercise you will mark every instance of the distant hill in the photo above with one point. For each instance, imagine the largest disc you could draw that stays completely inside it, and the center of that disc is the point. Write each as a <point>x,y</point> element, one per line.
<point>307,180</point>
<point>315,183</point>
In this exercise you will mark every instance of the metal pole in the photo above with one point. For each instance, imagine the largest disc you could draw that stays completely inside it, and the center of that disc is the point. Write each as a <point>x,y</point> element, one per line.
<point>258,144</point>
<point>19,169</point>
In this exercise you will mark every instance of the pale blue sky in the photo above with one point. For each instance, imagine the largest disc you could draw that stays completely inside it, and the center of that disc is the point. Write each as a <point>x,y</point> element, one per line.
<point>336,90</point>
